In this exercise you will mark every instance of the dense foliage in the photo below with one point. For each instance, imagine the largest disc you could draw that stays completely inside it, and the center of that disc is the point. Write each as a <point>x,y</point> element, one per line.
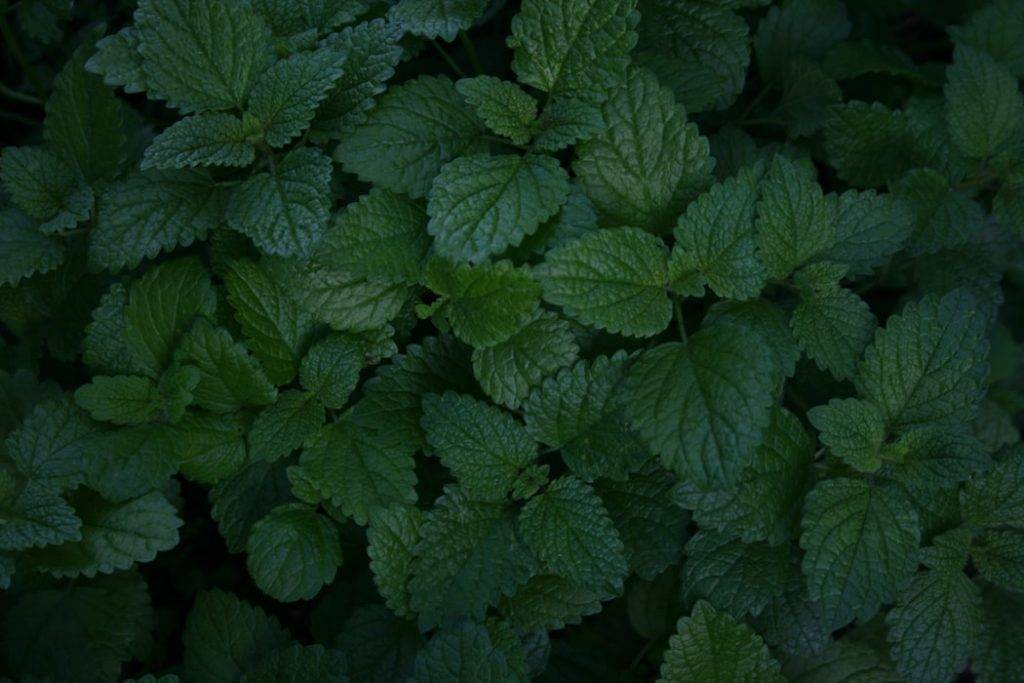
<point>470,340</point>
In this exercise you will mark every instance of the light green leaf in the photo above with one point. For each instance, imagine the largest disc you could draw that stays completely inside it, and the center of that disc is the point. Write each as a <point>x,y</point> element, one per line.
<point>211,447</point>
<point>282,427</point>
<point>202,140</point>
<point>795,221</point>
<point>935,456</point>
<point>928,363</point>
<point>122,399</point>
<point>854,431</point>
<point>285,96</point>
<point>568,530</point>
<point>509,370</point>
<point>934,625</point>
<point>984,106</point>
<point>648,162</point>
<point>573,46</point>
<point>505,107</point>
<point>161,308</point>
<point>36,516</point>
<point>480,205</point>
<point>229,377</point>
<point>49,446</point>
<point>331,369</point>
<point>467,558</point>
<point>382,236</point>
<point>483,446</point>
<point>293,552</point>
<point>288,17</point>
<point>436,18</point>
<point>359,471</point>
<point>711,646</point>
<point>613,279</point>
<point>415,129</point>
<point>44,187</point>
<point>201,55</point>
<point>117,59</point>
<point>285,210</point>
<point>703,405</point>
<point>861,544</point>
<point>715,241</point>
<point>152,212</point>
<point>870,227</point>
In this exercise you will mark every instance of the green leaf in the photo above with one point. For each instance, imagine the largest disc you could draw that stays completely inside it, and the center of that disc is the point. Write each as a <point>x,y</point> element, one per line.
<point>274,326</point>
<point>210,447</point>
<point>288,17</point>
<point>299,663</point>
<point>44,187</point>
<point>851,59</point>
<point>331,369</point>
<point>486,304</point>
<point>807,95</point>
<point>861,544</point>
<point>94,625</point>
<point>379,645</point>
<point>928,363</point>
<point>993,28</point>
<point>996,498</point>
<point>202,140</point>
<point>246,497</point>
<point>122,399</point>
<point>118,61</point>
<point>83,121</point>
<point>799,28</point>
<point>114,536</point>
<point>480,205</point>
<point>24,250</point>
<point>415,129</point>
<point>795,221</point>
<point>703,405</point>
<point>1008,205</point>
<point>382,237</point>
<point>869,144</point>
<point>791,622</point>
<point>285,96</point>
<point>934,625</point>
<point>468,557</point>
<point>462,653</point>
<point>152,212</point>
<point>483,446</point>
<point>843,660</point>
<point>358,470</point>
<point>715,241</point>
<point>104,346</point>
<point>161,308</point>
<point>648,162</point>
<point>224,637</point>
<point>282,427</point>
<point>508,371</point>
<point>944,217</point>
<point>736,577</point>
<point>565,121</point>
<point>436,18</point>
<point>50,445</point>
<point>831,322</point>
<point>870,227</point>
<point>651,526</point>
<point>700,51</point>
<point>999,557</point>
<point>129,462</point>
<point>548,602</point>
<point>853,430</point>
<point>984,106</point>
<point>573,46</point>
<point>568,530</point>
<point>229,377</point>
<point>371,52</point>
<point>936,456</point>
<point>36,516</point>
<point>613,279</point>
<point>505,107</point>
<point>996,655</point>
<point>711,646</point>
<point>293,552</point>
<point>576,411</point>
<point>285,211</point>
<point>201,55</point>
<point>391,540</point>
<point>342,301</point>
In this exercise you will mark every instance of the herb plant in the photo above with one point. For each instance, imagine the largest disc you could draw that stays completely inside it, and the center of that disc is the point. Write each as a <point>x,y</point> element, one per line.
<point>470,340</point>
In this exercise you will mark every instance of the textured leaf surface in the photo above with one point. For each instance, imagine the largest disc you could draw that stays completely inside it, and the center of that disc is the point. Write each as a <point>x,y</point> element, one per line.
<point>984,106</point>
<point>293,552</point>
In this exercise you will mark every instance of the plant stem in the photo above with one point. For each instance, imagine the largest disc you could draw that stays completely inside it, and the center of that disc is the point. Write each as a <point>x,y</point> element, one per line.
<point>19,96</point>
<point>474,58</point>
<point>677,305</point>
<point>24,120</point>
<point>447,59</point>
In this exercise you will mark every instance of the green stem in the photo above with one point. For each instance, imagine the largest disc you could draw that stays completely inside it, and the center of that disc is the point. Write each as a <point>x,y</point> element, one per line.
<point>474,58</point>
<point>14,47</point>
<point>640,655</point>
<point>24,120</point>
<point>753,103</point>
<point>765,121</point>
<point>447,59</point>
<point>18,96</point>
<point>677,305</point>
